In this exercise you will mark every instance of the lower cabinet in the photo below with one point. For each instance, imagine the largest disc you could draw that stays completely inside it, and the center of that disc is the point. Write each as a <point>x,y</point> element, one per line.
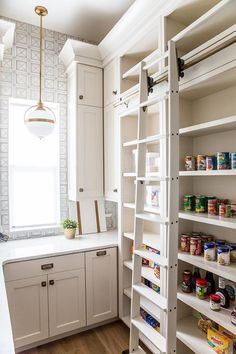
<point>101,285</point>
<point>28,304</point>
<point>66,296</point>
<point>47,305</point>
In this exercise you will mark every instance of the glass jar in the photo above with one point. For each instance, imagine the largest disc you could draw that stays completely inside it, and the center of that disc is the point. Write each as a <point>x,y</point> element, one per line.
<point>201,288</point>
<point>215,302</point>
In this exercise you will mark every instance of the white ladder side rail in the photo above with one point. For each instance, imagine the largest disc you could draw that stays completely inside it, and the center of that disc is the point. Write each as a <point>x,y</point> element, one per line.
<point>173,197</point>
<point>139,208</point>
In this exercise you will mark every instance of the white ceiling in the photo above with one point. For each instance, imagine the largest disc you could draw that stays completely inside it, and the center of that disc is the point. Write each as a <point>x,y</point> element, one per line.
<point>88,19</point>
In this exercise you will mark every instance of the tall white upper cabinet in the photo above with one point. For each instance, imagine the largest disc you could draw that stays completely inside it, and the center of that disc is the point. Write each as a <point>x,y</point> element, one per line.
<point>85,119</point>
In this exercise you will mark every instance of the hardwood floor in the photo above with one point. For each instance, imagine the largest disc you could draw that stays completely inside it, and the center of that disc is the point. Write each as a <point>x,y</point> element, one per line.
<point>109,339</point>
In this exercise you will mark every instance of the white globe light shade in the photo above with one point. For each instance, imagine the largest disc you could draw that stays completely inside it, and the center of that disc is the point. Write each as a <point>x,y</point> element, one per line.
<point>40,120</point>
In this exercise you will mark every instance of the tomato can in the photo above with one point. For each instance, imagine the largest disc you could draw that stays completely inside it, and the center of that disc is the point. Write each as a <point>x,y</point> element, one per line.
<point>211,163</point>
<point>221,201</point>
<point>201,162</point>
<point>189,163</point>
<point>233,160</point>
<point>195,246</point>
<point>189,202</point>
<point>223,160</point>
<point>200,204</point>
<point>222,210</point>
<point>212,205</point>
<point>185,243</point>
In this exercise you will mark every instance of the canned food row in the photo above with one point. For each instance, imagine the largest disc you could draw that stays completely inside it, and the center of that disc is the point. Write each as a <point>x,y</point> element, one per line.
<point>220,161</point>
<point>197,243</point>
<point>210,204</point>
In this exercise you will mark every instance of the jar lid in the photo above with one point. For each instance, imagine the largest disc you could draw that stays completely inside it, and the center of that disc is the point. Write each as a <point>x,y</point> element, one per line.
<point>215,297</point>
<point>201,282</point>
<point>187,272</point>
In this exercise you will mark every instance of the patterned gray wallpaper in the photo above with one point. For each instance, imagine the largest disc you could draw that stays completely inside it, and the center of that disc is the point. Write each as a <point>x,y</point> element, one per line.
<point>19,79</point>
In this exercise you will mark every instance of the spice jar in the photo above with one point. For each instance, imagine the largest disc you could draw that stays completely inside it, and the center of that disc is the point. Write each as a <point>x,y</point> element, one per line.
<point>201,288</point>
<point>233,316</point>
<point>187,281</point>
<point>215,302</point>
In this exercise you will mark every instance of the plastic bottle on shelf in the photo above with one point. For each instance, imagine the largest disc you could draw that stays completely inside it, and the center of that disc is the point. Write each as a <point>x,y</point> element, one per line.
<point>224,296</point>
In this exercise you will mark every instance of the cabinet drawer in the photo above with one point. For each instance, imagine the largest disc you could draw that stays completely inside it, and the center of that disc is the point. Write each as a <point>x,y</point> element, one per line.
<point>32,268</point>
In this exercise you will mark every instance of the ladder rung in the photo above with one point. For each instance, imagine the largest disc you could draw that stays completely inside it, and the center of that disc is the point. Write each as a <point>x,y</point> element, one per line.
<point>156,61</point>
<point>156,338</point>
<point>130,143</point>
<point>151,295</point>
<point>153,257</point>
<point>146,272</point>
<point>152,217</point>
<point>153,100</point>
<point>151,139</point>
<point>152,179</point>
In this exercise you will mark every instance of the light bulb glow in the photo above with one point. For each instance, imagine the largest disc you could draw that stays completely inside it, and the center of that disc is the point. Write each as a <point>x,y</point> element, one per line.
<point>40,120</point>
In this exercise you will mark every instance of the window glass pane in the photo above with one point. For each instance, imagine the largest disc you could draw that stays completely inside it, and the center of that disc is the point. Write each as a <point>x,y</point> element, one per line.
<point>33,172</point>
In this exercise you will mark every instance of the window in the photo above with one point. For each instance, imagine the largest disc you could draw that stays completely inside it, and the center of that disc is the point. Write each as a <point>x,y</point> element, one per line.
<point>34,180</point>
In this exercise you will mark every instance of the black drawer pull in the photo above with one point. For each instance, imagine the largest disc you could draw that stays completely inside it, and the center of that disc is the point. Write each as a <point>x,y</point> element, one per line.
<point>47,266</point>
<point>43,284</point>
<point>115,190</point>
<point>101,253</point>
<point>81,97</point>
<point>51,282</point>
<point>114,92</point>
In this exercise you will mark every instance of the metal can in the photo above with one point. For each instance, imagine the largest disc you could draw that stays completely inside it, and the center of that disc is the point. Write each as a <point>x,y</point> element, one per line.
<point>195,246</point>
<point>228,211</point>
<point>201,162</point>
<point>233,160</point>
<point>212,206</point>
<point>223,160</point>
<point>221,201</point>
<point>211,163</point>
<point>232,252</point>
<point>220,243</point>
<point>222,210</point>
<point>189,163</point>
<point>189,202</point>
<point>200,204</point>
<point>187,281</point>
<point>223,255</point>
<point>185,243</point>
<point>209,251</point>
<point>233,210</point>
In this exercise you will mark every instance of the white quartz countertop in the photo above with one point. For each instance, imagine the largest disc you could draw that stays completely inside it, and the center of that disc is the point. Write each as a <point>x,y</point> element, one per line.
<point>13,251</point>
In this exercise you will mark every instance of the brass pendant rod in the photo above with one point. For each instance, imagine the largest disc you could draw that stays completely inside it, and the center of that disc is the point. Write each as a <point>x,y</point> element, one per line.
<point>40,58</point>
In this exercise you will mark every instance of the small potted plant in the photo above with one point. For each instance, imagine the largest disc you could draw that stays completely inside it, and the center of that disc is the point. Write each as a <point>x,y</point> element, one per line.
<point>69,227</point>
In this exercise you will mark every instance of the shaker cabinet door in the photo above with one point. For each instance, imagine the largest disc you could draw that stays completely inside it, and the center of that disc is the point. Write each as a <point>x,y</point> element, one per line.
<point>90,86</point>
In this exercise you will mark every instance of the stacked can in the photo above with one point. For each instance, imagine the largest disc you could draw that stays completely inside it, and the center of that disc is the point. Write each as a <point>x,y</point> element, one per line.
<point>223,160</point>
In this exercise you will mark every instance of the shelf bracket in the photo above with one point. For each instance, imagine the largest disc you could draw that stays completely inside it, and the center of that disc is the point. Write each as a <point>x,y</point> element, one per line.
<point>150,84</point>
<point>181,67</point>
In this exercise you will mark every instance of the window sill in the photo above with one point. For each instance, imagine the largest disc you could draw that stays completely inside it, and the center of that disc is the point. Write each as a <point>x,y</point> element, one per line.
<point>34,228</point>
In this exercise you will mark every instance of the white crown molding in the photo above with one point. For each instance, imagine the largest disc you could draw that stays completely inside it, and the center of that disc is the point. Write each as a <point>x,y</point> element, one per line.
<point>82,52</point>
<point>7,30</point>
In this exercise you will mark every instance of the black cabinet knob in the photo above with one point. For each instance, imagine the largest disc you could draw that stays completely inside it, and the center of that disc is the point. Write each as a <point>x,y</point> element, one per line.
<point>115,190</point>
<point>51,282</point>
<point>81,97</point>
<point>114,92</point>
<point>43,284</point>
<point>81,189</point>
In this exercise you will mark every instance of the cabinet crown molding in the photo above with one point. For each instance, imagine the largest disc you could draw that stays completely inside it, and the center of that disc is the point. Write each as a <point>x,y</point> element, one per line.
<point>82,52</point>
<point>7,30</point>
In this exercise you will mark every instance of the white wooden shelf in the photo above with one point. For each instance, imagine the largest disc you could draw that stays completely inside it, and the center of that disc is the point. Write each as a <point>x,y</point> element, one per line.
<point>208,219</point>
<point>154,139</point>
<point>149,238</point>
<point>151,209</point>
<point>227,272</point>
<point>129,174</point>
<point>208,173</point>
<point>151,256</point>
<point>146,305</point>
<point>211,127</point>
<point>151,295</point>
<point>147,272</point>
<point>130,143</point>
<point>189,334</point>
<point>152,217</point>
<point>214,21</point>
<point>221,317</point>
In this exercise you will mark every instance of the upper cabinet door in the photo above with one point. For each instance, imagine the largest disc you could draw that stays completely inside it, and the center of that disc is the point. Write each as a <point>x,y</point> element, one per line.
<point>111,82</point>
<point>90,86</point>
<point>28,304</point>
<point>89,152</point>
<point>66,294</point>
<point>101,285</point>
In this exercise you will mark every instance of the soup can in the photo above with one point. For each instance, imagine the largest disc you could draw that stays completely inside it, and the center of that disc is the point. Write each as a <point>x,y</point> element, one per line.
<point>195,246</point>
<point>223,160</point>
<point>185,243</point>
<point>189,163</point>
<point>201,162</point>
<point>222,210</point>
<point>211,163</point>
<point>209,251</point>
<point>233,160</point>
<point>228,211</point>
<point>212,206</point>
<point>223,255</point>
<point>206,238</point>
<point>233,210</point>
<point>220,243</point>
<point>200,204</point>
<point>232,252</point>
<point>189,202</point>
<point>221,201</point>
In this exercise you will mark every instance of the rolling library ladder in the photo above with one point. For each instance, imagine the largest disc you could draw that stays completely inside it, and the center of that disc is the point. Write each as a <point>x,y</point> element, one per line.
<point>164,303</point>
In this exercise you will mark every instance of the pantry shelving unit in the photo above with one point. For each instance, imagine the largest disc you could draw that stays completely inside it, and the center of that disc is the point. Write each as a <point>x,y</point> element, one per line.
<point>204,34</point>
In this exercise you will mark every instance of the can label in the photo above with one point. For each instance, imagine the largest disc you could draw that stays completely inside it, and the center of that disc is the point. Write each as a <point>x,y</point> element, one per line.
<point>201,162</point>
<point>189,163</point>
<point>189,202</point>
<point>233,160</point>
<point>223,159</point>
<point>222,210</point>
<point>212,206</point>
<point>200,204</point>
<point>211,163</point>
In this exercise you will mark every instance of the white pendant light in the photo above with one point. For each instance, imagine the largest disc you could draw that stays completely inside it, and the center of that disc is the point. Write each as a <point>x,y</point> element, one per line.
<point>39,119</point>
